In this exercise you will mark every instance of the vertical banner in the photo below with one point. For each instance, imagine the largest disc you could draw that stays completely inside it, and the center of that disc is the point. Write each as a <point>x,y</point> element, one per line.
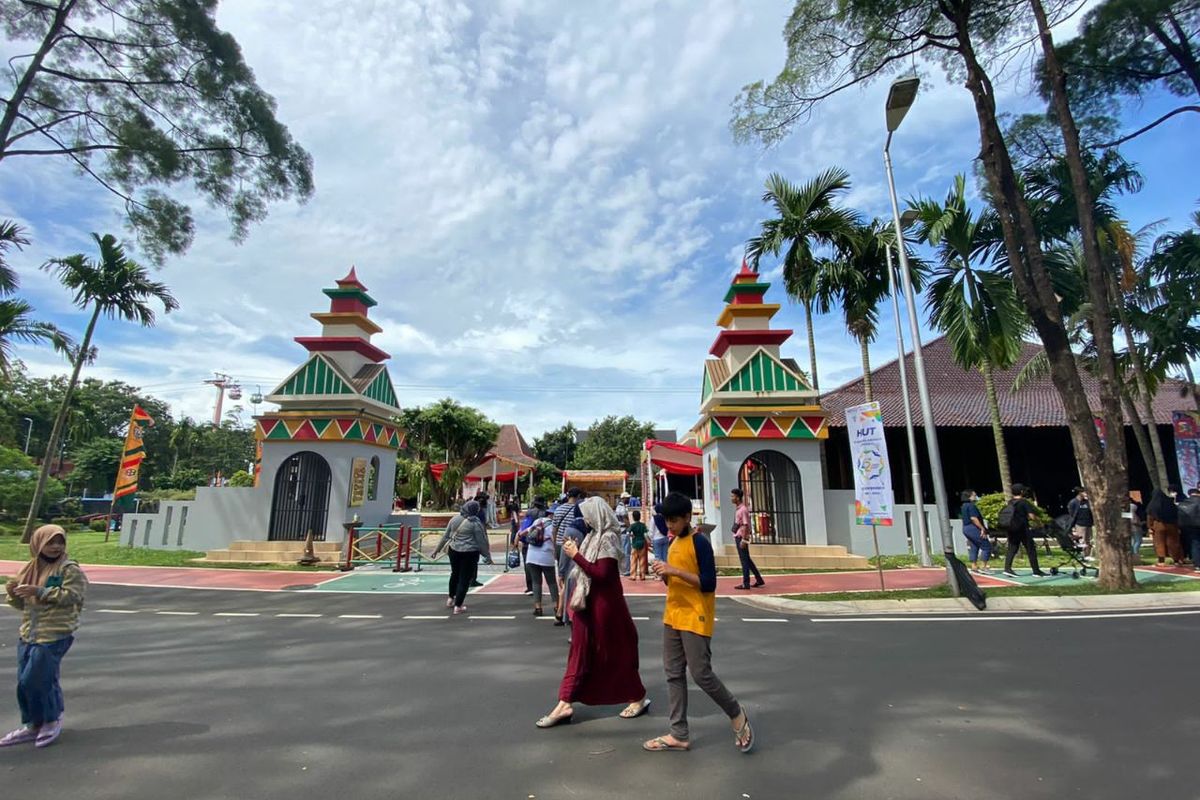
<point>1186,425</point>
<point>358,482</point>
<point>714,487</point>
<point>132,456</point>
<point>873,499</point>
<point>257,460</point>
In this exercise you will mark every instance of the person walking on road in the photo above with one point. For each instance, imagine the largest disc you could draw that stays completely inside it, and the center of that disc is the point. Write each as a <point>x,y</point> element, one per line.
<point>639,545</point>
<point>691,575</point>
<point>602,666</point>
<point>467,540</point>
<point>741,540</point>
<point>1163,516</point>
<point>49,592</point>
<point>1137,524</point>
<point>1024,517</point>
<point>538,546</point>
<point>622,512</point>
<point>659,541</point>
<point>974,528</point>
<point>1189,525</point>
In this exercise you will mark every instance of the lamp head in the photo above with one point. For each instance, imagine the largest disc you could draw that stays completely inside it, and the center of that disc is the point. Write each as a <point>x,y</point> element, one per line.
<point>908,218</point>
<point>900,98</point>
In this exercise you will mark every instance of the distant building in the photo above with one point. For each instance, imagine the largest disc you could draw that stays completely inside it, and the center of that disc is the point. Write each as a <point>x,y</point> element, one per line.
<point>1039,445</point>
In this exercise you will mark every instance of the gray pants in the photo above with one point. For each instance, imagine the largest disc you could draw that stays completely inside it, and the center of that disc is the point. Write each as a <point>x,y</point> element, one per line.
<point>683,652</point>
<point>536,574</point>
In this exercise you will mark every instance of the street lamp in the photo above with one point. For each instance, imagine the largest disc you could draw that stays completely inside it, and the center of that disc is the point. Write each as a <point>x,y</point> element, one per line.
<point>906,220</point>
<point>28,433</point>
<point>901,96</point>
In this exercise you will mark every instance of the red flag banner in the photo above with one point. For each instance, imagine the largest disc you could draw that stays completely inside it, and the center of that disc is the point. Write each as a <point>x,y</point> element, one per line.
<point>132,455</point>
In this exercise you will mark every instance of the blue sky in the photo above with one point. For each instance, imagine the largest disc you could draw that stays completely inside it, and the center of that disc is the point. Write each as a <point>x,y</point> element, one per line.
<point>544,199</point>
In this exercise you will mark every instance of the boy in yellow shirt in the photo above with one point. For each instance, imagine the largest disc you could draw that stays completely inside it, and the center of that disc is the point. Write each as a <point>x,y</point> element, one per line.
<point>690,573</point>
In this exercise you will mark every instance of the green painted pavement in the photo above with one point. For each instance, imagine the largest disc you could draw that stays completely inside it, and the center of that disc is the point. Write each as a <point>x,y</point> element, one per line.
<point>1026,578</point>
<point>393,582</point>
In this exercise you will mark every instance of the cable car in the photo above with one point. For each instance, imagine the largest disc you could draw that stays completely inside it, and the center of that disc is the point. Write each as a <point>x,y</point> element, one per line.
<point>256,399</point>
<point>235,392</point>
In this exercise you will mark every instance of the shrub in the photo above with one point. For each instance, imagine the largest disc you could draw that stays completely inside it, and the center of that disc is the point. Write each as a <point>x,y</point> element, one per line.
<point>241,478</point>
<point>98,525</point>
<point>990,505</point>
<point>66,523</point>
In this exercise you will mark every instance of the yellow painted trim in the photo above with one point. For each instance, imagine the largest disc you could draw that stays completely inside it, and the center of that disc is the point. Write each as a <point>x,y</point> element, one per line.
<point>731,311</point>
<point>346,318</point>
<point>760,410</point>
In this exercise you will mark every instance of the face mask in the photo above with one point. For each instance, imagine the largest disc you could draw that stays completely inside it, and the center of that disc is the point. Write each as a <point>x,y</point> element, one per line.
<point>46,558</point>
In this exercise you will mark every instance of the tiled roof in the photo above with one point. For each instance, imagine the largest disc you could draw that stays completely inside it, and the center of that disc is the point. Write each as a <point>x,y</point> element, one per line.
<point>959,398</point>
<point>510,448</point>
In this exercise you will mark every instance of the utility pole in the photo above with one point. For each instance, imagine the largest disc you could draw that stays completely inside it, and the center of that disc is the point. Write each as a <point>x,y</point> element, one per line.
<point>220,382</point>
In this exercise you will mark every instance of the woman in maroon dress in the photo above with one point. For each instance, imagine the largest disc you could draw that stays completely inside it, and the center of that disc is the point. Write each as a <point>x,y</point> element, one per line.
<point>602,667</point>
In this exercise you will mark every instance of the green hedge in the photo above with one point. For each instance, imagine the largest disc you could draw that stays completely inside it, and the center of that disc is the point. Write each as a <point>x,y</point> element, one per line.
<point>990,505</point>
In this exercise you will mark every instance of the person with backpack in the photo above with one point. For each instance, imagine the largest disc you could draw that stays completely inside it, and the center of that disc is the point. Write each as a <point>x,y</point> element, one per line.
<point>466,539</point>
<point>1163,517</point>
<point>1080,511</point>
<point>538,545</point>
<point>1189,525</point>
<point>1016,519</point>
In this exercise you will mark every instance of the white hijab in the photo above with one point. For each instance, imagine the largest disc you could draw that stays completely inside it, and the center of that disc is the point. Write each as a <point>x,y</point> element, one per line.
<point>602,541</point>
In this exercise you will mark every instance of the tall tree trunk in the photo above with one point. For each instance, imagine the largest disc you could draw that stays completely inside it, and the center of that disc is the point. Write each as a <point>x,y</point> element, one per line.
<point>14,103</point>
<point>812,345</point>
<point>1143,440</point>
<point>866,365</point>
<point>1032,282</point>
<point>989,381</point>
<point>1112,534</point>
<point>60,420</point>
<point>1159,464</point>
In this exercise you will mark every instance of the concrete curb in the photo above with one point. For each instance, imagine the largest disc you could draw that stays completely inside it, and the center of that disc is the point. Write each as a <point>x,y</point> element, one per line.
<point>1045,605</point>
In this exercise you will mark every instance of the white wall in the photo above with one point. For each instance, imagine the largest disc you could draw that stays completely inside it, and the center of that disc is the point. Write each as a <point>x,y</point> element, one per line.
<point>898,539</point>
<point>805,453</point>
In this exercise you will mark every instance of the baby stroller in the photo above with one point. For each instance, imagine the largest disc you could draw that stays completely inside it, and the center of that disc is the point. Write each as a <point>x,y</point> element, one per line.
<point>1072,550</point>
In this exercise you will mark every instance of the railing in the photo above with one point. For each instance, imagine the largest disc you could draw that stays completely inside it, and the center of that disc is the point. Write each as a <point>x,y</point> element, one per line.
<point>378,545</point>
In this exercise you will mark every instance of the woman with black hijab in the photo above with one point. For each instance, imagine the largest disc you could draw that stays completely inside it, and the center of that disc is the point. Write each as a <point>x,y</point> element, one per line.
<point>1163,518</point>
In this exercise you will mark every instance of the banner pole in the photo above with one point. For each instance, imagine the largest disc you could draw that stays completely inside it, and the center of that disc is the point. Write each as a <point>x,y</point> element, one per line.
<point>878,558</point>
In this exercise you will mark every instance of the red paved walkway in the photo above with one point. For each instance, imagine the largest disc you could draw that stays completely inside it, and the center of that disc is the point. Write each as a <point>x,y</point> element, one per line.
<point>512,583</point>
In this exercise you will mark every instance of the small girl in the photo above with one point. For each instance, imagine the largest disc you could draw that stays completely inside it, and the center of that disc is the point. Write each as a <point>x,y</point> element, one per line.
<point>49,592</point>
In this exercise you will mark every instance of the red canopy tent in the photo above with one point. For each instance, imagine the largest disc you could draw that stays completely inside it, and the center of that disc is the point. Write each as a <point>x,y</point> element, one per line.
<point>676,459</point>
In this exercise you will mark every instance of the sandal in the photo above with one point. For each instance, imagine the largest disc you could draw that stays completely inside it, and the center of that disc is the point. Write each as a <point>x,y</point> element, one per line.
<point>549,721</point>
<point>641,709</point>
<point>660,745</point>
<point>745,732</point>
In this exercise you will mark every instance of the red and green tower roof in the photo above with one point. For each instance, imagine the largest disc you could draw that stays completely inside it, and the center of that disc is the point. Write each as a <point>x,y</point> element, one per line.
<point>346,326</point>
<point>743,320</point>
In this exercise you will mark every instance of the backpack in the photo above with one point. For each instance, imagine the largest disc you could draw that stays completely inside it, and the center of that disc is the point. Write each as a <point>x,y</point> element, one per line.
<point>1189,512</point>
<point>1007,517</point>
<point>535,534</point>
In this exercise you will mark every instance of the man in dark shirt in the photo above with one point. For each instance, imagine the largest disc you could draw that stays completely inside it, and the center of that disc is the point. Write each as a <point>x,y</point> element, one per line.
<point>1080,511</point>
<point>1024,517</point>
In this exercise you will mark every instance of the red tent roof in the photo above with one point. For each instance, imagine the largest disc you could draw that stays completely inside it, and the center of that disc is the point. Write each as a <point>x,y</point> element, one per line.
<point>676,459</point>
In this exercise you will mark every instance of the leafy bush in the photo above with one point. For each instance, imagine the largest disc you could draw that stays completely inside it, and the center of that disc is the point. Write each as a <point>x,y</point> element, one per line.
<point>70,507</point>
<point>547,489</point>
<point>67,523</point>
<point>241,478</point>
<point>182,479</point>
<point>18,477</point>
<point>98,525</point>
<point>990,505</point>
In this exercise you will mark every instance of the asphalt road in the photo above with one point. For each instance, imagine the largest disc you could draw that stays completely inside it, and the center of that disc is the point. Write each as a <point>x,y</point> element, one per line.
<point>195,705</point>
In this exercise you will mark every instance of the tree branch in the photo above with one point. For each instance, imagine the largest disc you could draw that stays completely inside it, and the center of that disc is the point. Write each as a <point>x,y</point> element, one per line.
<point>1146,128</point>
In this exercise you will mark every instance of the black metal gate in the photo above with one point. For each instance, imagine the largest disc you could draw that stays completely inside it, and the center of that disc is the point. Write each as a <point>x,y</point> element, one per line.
<point>772,486</point>
<point>301,500</point>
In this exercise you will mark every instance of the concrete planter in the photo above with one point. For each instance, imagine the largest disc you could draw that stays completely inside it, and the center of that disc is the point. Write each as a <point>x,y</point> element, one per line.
<point>437,519</point>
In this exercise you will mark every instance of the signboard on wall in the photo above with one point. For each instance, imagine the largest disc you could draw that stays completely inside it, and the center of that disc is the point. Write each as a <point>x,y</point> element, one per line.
<point>358,482</point>
<point>714,490</point>
<point>874,502</point>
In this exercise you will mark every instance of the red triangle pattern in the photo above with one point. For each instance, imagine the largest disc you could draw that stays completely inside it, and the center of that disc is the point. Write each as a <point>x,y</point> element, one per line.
<point>369,434</point>
<point>770,431</point>
<point>726,423</point>
<point>814,424</point>
<point>344,425</point>
<point>266,426</point>
<point>306,431</point>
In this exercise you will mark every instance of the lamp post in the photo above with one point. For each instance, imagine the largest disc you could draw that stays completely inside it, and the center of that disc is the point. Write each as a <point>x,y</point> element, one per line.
<point>28,433</point>
<point>906,219</point>
<point>900,99</point>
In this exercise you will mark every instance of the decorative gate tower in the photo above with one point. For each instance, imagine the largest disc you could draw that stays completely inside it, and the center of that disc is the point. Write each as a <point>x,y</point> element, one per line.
<point>760,426</point>
<point>329,452</point>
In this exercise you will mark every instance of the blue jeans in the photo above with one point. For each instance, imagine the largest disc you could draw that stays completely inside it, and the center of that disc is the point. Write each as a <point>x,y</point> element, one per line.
<point>1192,535</point>
<point>1137,534</point>
<point>38,692</point>
<point>659,546</point>
<point>977,544</point>
<point>626,552</point>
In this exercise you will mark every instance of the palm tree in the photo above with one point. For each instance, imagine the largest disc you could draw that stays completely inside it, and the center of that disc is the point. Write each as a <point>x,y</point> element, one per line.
<point>805,216</point>
<point>856,279</point>
<point>976,308</point>
<point>183,437</point>
<point>115,287</point>
<point>16,315</point>
<point>1169,304</point>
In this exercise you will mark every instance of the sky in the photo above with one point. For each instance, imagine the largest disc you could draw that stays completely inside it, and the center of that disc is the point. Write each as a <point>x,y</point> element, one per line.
<point>544,199</point>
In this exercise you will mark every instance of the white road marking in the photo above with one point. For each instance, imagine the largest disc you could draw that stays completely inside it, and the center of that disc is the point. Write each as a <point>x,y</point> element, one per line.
<point>235,614</point>
<point>1012,618</point>
<point>498,616</point>
<point>762,619</point>
<point>115,611</point>
<point>360,616</point>
<point>643,619</point>
<point>178,613</point>
<point>426,616</point>
<point>298,616</point>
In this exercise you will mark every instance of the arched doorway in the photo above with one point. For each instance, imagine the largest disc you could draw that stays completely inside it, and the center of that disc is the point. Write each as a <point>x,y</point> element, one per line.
<point>772,486</point>
<point>301,500</point>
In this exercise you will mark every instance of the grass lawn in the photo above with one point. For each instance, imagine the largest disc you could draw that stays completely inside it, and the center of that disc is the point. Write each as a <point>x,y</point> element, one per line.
<point>89,547</point>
